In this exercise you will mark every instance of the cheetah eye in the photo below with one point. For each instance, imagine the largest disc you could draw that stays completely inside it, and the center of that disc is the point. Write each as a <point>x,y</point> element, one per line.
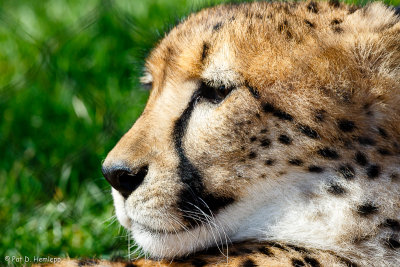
<point>214,94</point>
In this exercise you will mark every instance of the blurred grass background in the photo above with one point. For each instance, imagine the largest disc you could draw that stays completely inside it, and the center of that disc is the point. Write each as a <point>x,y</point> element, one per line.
<point>68,91</point>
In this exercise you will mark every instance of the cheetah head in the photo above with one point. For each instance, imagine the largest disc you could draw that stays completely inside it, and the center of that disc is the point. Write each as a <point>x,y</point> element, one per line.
<point>263,122</point>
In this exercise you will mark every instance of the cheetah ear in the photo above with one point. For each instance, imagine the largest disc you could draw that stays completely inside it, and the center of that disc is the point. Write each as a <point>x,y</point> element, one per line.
<point>397,10</point>
<point>146,80</point>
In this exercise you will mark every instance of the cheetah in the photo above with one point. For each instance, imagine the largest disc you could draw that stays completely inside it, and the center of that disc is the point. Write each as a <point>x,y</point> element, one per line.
<point>271,137</point>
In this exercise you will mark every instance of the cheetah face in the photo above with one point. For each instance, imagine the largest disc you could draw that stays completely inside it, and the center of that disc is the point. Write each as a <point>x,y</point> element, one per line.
<point>241,124</point>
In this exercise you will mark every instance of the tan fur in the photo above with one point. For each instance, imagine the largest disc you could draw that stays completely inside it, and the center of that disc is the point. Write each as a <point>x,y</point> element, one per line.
<point>318,64</point>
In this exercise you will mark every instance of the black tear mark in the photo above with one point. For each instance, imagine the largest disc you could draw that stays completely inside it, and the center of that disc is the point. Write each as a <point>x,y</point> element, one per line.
<point>313,7</point>
<point>328,153</point>
<point>253,91</point>
<point>309,23</point>
<point>347,171</point>
<point>204,53</point>
<point>295,162</point>
<point>346,125</point>
<point>265,142</point>
<point>269,108</point>
<point>312,262</point>
<point>217,26</point>
<point>248,263</point>
<point>308,131</point>
<point>336,189</point>
<point>283,115</point>
<point>297,263</point>
<point>193,196</point>
<point>315,169</point>
<point>393,224</point>
<point>361,159</point>
<point>284,139</point>
<point>373,171</point>
<point>367,209</point>
<point>363,140</point>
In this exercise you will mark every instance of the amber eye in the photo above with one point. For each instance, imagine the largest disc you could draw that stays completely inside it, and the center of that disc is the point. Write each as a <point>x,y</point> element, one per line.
<point>214,94</point>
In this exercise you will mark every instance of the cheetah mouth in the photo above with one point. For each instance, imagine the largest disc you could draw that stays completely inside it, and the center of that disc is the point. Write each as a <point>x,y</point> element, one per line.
<point>154,231</point>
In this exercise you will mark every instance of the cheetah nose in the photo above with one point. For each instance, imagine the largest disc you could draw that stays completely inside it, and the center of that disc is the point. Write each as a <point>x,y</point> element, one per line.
<point>123,179</point>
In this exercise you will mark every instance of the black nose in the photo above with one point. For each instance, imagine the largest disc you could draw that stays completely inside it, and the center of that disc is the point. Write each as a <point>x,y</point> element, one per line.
<point>123,179</point>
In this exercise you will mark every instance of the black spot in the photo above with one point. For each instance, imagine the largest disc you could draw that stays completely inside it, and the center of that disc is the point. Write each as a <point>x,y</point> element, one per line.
<point>382,132</point>
<point>334,3</point>
<point>217,26</point>
<point>277,245</point>
<point>309,23</point>
<point>253,138</point>
<point>337,29</point>
<point>373,171</point>
<point>282,115</point>
<point>353,8</point>
<point>269,162</point>
<point>336,21</point>
<point>384,152</point>
<point>252,155</point>
<point>328,153</point>
<point>253,91</point>
<point>265,142</point>
<point>130,264</point>
<point>266,251</point>
<point>336,189</point>
<point>346,125</point>
<point>366,141</point>
<point>263,131</point>
<point>361,159</point>
<point>298,249</point>
<point>87,262</point>
<point>308,131</point>
<point>397,10</point>
<point>296,162</point>
<point>320,115</point>
<point>347,171</point>
<point>316,169</point>
<point>204,53</point>
<point>284,139</point>
<point>312,262</point>
<point>198,262</point>
<point>367,209</point>
<point>268,107</point>
<point>248,263</point>
<point>193,195</point>
<point>393,224</point>
<point>297,263</point>
<point>393,242</point>
<point>313,7</point>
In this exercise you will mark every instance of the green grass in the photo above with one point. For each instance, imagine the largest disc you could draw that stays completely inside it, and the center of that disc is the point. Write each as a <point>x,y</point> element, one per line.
<point>68,91</point>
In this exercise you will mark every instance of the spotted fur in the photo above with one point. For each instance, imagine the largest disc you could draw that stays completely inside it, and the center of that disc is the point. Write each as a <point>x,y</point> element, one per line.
<point>272,126</point>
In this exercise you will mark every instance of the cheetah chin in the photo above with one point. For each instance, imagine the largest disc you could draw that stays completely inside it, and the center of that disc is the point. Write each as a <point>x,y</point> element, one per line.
<point>268,122</point>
